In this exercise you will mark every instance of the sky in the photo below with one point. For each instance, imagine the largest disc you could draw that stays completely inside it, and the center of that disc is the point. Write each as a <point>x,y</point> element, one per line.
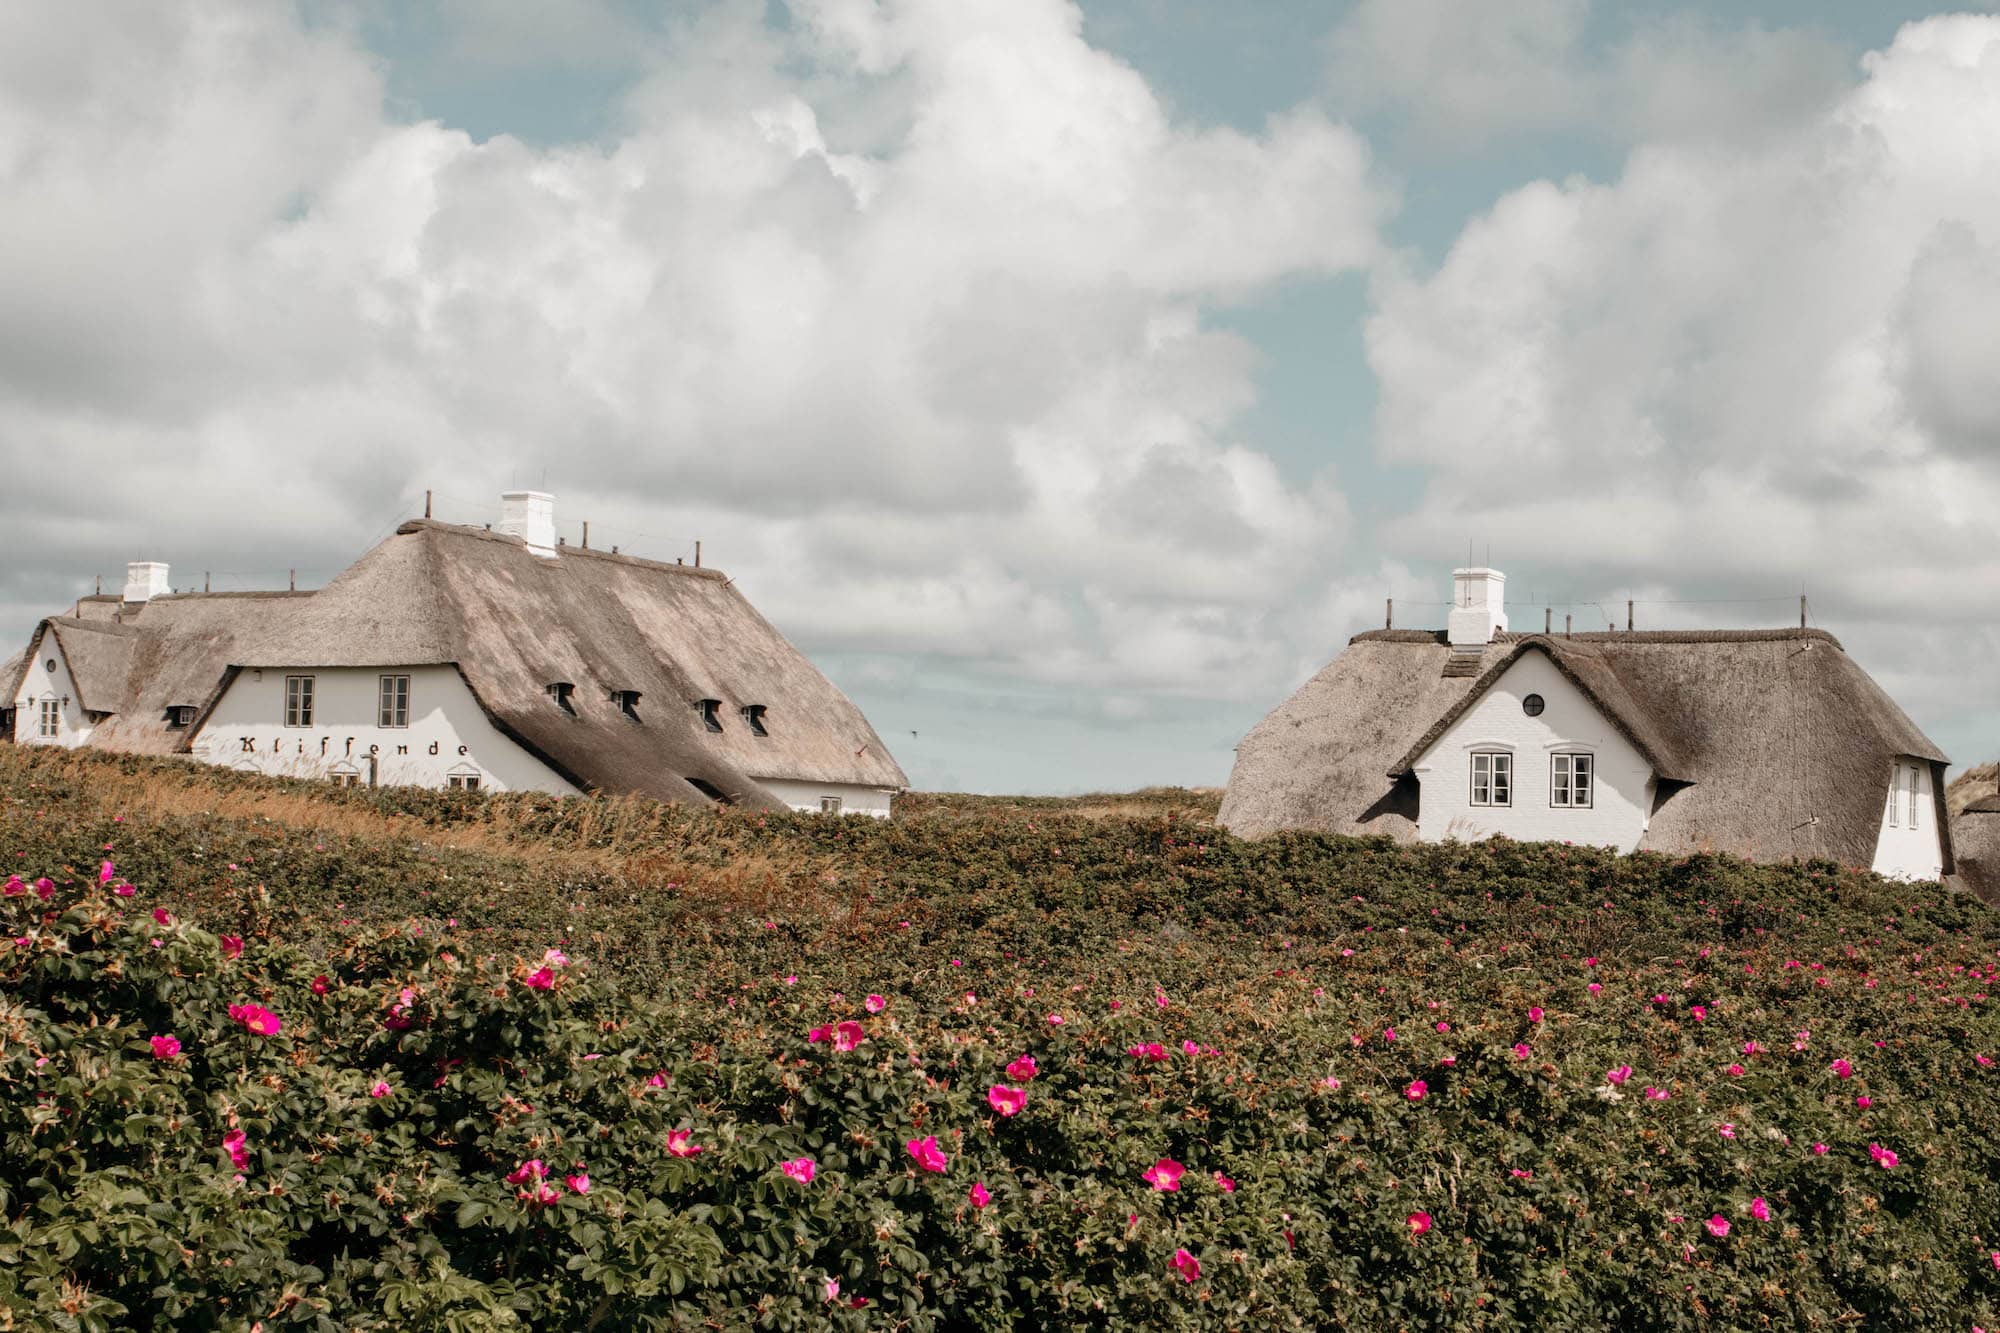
<point>1069,381</point>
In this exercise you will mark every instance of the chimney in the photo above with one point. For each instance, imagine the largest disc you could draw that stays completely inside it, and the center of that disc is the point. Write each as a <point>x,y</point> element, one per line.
<point>1478,607</point>
<point>145,580</point>
<point>531,516</point>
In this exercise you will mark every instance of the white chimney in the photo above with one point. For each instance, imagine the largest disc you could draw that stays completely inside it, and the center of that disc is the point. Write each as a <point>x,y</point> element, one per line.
<point>531,516</point>
<point>1478,607</point>
<point>145,580</point>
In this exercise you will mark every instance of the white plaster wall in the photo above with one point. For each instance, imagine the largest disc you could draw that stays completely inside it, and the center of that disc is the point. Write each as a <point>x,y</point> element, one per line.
<point>854,800</point>
<point>1569,722</point>
<point>1907,849</point>
<point>448,731</point>
<point>40,683</point>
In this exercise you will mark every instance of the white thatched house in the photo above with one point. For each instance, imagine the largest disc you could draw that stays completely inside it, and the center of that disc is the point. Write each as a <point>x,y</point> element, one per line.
<point>453,656</point>
<point>1769,744</point>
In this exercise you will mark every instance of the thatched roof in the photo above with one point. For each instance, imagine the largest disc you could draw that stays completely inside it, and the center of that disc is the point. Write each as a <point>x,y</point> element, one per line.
<point>1770,743</point>
<point>1974,798</point>
<point>512,623</point>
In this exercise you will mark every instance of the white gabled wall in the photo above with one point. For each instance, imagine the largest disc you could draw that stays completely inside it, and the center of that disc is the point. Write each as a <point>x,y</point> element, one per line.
<point>448,732</point>
<point>42,683</point>
<point>854,800</point>
<point>1909,845</point>
<point>1570,723</point>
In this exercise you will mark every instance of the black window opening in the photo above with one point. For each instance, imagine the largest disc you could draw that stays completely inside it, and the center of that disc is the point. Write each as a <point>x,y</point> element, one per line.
<point>561,691</point>
<point>180,715</point>
<point>754,715</point>
<point>1532,705</point>
<point>710,790</point>
<point>711,713</point>
<point>628,702</point>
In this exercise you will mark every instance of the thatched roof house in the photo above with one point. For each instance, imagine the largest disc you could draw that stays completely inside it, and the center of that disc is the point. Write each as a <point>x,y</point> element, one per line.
<point>451,655</point>
<point>1975,830</point>
<point>1769,744</point>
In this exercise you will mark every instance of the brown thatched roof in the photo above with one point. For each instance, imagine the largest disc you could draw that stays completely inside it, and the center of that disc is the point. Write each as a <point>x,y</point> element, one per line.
<point>1772,743</point>
<point>512,623</point>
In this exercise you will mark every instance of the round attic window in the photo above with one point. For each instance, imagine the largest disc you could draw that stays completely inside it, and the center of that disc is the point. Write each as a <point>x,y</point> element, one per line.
<point>1532,705</point>
<point>50,666</point>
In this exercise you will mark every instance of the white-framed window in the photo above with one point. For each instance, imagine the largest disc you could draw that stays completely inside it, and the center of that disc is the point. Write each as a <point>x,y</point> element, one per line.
<point>180,715</point>
<point>1895,794</point>
<point>754,715</point>
<point>1912,789</point>
<point>51,720</point>
<point>345,779</point>
<point>462,781</point>
<point>394,702</point>
<point>298,701</point>
<point>829,805</point>
<point>711,713</point>
<point>1492,778</point>
<point>1572,784</point>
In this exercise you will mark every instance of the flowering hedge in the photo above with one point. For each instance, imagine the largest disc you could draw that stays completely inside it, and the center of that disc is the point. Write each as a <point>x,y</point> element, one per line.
<point>1021,1072</point>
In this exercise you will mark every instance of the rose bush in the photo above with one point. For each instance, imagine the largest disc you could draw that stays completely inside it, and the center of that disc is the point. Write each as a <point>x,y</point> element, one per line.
<point>491,1089</point>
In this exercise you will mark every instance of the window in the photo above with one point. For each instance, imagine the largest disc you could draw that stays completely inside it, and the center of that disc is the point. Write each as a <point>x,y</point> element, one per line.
<point>710,710</point>
<point>462,781</point>
<point>829,805</point>
<point>345,779</point>
<point>628,702</point>
<point>1912,789</point>
<point>754,715</point>
<point>180,715</point>
<point>710,790</point>
<point>1492,778</point>
<point>1533,705</point>
<point>560,691</point>
<point>393,702</point>
<point>51,725</point>
<point>298,701</point>
<point>1570,781</point>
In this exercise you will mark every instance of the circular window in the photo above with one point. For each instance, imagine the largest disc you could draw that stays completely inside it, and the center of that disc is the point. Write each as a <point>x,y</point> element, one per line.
<point>1532,705</point>
<point>50,666</point>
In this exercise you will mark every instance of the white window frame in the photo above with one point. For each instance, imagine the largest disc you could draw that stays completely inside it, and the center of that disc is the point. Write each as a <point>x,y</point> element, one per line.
<point>50,724</point>
<point>1566,767</point>
<point>463,781</point>
<point>1494,777</point>
<point>392,701</point>
<point>829,805</point>
<point>1912,790</point>
<point>300,692</point>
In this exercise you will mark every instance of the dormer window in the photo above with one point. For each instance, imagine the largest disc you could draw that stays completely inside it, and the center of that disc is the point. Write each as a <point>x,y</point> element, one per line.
<point>560,691</point>
<point>180,716</point>
<point>628,702</point>
<point>711,713</point>
<point>754,715</point>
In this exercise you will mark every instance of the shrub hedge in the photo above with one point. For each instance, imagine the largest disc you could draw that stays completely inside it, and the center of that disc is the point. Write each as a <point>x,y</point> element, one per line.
<point>1303,1082</point>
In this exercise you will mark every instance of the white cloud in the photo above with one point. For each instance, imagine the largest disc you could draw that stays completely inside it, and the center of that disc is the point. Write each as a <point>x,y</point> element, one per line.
<point>930,268</point>
<point>1459,76</point>
<point>1741,368</point>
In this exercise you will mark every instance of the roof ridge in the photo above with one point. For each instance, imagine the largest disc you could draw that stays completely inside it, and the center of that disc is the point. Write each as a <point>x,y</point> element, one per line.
<point>1772,635</point>
<point>564,552</point>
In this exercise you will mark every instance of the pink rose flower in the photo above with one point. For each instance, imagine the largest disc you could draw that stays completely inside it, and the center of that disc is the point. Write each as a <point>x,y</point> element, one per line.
<point>1419,1223</point>
<point>874,1004</point>
<point>319,984</point>
<point>1164,1175</point>
<point>105,873</point>
<point>580,1182</point>
<point>980,1198</point>
<point>1760,1210</point>
<point>123,890</point>
<point>1841,1068</point>
<point>800,1169</point>
<point>1734,1071</point>
<point>542,978</point>
<point>1657,1094</point>
<point>532,1169</point>
<point>819,1034</point>
<point>1520,1050</point>
<point>380,1089</point>
<point>163,916</point>
<point>1007,1101</point>
<point>1864,1101</point>
<point>1617,1076</point>
<point>166,1048</point>
<point>1718,1226</point>
<point>1884,1158</point>
<point>1224,1183</point>
<point>1415,1092</point>
<point>233,1143</point>
<point>1150,1051</point>
<point>257,1018</point>
<point>1186,1265</point>
<point>848,1035</point>
<point>929,1156</point>
<point>232,946</point>
<point>679,1143</point>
